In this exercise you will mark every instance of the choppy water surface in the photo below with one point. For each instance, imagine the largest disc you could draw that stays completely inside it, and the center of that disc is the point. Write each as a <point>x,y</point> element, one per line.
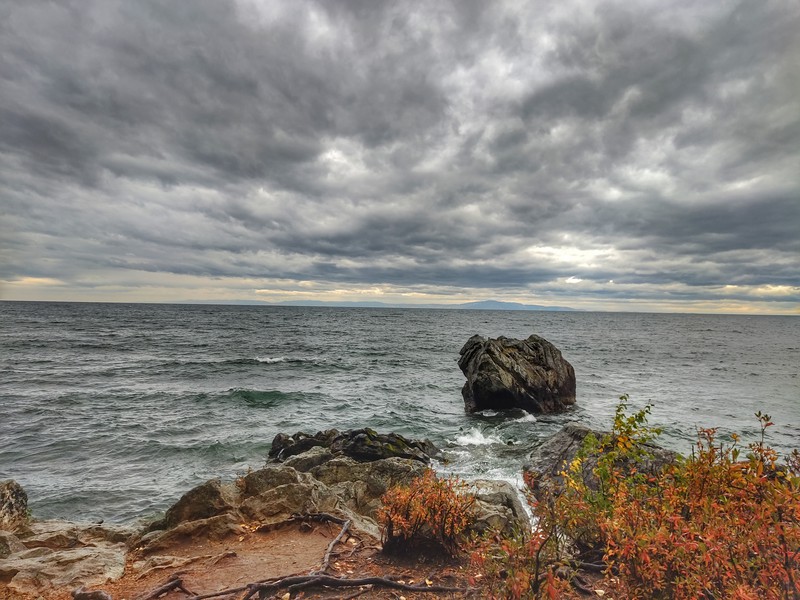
<point>113,411</point>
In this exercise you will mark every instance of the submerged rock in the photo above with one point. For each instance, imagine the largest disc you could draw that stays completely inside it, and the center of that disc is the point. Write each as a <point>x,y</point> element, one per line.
<point>506,373</point>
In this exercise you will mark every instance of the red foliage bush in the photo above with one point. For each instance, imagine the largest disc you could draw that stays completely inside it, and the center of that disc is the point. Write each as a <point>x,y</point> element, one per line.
<point>713,525</point>
<point>431,510</point>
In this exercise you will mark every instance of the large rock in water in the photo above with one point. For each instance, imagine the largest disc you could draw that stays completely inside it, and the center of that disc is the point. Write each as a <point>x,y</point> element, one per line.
<point>506,373</point>
<point>362,445</point>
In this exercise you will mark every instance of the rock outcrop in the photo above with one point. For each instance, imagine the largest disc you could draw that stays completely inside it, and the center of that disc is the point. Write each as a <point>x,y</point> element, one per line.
<point>363,445</point>
<point>323,478</point>
<point>13,505</point>
<point>506,373</point>
<point>346,478</point>
<point>45,555</point>
<point>331,471</point>
<point>550,459</point>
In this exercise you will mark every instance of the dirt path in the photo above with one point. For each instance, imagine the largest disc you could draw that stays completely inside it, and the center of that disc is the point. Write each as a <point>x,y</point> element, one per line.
<point>295,549</point>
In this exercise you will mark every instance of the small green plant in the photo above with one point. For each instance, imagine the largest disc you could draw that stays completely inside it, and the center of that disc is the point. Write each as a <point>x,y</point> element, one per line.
<point>431,511</point>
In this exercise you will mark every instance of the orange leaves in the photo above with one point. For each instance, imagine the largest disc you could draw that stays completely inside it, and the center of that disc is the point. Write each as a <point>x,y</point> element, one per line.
<point>708,526</point>
<point>430,510</point>
<point>715,528</point>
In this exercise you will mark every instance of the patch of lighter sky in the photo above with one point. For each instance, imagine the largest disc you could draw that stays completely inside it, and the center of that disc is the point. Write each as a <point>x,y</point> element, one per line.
<point>647,179</point>
<point>264,12</point>
<point>773,291</point>
<point>603,189</point>
<point>568,256</point>
<point>343,159</point>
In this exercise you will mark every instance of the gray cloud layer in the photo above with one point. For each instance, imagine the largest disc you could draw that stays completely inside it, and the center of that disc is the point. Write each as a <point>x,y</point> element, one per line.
<point>579,151</point>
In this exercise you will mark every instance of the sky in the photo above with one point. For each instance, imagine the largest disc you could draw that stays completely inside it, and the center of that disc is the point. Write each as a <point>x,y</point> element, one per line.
<point>635,155</point>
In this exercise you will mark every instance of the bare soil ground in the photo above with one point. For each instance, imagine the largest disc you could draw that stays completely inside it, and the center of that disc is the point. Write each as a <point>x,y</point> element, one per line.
<point>207,567</point>
<point>212,566</point>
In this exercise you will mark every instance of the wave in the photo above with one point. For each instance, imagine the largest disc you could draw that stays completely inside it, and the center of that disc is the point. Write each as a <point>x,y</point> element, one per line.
<point>268,398</point>
<point>269,360</point>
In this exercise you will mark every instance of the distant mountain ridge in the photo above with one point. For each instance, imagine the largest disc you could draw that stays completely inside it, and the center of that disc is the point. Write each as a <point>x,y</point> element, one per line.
<point>479,305</point>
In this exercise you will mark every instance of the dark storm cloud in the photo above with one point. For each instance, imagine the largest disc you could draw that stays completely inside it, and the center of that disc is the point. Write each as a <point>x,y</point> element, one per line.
<point>531,148</point>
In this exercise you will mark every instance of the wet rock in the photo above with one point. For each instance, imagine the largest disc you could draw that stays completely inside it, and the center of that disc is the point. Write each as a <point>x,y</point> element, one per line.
<point>284,446</point>
<point>13,505</point>
<point>363,445</point>
<point>506,373</point>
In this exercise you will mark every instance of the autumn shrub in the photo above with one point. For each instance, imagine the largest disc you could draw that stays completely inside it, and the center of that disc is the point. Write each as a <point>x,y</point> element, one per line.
<point>430,512</point>
<point>712,526</point>
<point>521,565</point>
<point>593,478</point>
<point>568,525</point>
<point>723,522</point>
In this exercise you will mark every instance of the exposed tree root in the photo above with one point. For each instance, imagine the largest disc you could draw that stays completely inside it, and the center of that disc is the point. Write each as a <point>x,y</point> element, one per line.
<point>326,561</point>
<point>293,583</point>
<point>173,583</point>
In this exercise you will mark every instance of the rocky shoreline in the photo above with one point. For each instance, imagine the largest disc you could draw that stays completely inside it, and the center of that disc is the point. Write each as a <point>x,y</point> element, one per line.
<point>336,473</point>
<point>339,474</point>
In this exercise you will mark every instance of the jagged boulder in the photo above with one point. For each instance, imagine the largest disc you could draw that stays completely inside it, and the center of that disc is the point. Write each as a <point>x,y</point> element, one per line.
<point>209,499</point>
<point>506,373</point>
<point>361,485</point>
<point>285,445</point>
<point>363,445</point>
<point>13,505</point>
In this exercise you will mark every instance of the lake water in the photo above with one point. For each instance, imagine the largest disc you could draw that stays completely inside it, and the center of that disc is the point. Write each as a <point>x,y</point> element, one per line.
<point>113,411</point>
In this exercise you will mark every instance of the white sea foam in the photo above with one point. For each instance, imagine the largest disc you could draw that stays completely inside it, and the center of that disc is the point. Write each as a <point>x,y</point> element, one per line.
<point>270,360</point>
<point>527,418</point>
<point>475,437</point>
<point>487,413</point>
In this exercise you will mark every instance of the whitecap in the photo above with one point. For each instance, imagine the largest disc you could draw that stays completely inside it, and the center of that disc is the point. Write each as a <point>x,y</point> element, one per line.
<point>526,418</point>
<point>270,360</point>
<point>475,437</point>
